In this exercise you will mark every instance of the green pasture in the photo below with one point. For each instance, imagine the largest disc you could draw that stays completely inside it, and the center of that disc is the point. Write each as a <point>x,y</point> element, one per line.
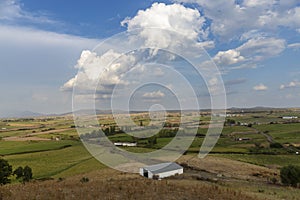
<point>16,147</point>
<point>264,160</point>
<point>57,163</point>
<point>68,157</point>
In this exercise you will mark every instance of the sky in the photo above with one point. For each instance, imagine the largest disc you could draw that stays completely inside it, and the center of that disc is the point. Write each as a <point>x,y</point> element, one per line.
<point>254,43</point>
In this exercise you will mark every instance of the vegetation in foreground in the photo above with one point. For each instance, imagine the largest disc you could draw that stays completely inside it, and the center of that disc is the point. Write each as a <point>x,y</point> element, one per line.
<point>109,184</point>
<point>22,174</point>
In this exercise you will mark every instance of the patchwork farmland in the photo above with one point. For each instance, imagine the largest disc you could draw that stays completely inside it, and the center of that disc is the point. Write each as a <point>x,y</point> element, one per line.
<point>245,163</point>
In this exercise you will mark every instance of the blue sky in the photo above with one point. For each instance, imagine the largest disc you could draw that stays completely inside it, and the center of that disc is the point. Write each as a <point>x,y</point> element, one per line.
<point>255,43</point>
<point>95,19</point>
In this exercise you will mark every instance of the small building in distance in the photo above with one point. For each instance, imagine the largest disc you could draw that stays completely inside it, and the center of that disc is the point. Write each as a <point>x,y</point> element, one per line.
<point>125,144</point>
<point>242,139</point>
<point>161,170</point>
<point>289,117</point>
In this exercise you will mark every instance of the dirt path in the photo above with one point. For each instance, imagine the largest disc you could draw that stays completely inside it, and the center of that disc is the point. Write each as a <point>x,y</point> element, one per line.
<point>20,139</point>
<point>268,137</point>
<point>228,168</point>
<point>33,136</point>
<point>47,132</point>
<point>272,141</point>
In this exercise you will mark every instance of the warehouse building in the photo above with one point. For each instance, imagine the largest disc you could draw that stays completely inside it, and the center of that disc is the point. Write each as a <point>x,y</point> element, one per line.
<point>161,170</point>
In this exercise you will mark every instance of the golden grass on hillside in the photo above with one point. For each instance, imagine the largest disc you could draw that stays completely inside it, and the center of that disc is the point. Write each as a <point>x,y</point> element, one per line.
<point>109,184</point>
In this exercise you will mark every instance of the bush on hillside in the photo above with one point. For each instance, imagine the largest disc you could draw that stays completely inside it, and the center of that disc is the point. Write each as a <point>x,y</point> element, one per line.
<point>5,172</point>
<point>290,175</point>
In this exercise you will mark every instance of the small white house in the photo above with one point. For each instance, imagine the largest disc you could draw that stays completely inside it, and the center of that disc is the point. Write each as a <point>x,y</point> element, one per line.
<point>289,117</point>
<point>160,171</point>
<point>125,144</point>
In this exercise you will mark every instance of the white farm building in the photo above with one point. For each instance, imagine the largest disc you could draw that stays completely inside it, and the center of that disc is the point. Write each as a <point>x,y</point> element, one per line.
<point>289,117</point>
<point>125,144</point>
<point>161,170</point>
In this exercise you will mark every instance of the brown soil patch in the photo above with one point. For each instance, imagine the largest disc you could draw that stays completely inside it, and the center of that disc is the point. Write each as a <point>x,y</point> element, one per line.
<point>19,139</point>
<point>51,131</point>
<point>229,168</point>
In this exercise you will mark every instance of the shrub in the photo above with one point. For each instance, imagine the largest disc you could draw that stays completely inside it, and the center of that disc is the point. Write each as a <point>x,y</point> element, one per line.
<point>290,175</point>
<point>276,145</point>
<point>18,172</point>
<point>23,174</point>
<point>60,179</point>
<point>274,180</point>
<point>84,180</point>
<point>5,172</point>
<point>27,174</point>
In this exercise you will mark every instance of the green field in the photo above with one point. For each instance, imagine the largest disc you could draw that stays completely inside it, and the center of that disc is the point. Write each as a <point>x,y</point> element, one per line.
<point>52,149</point>
<point>283,133</point>
<point>57,163</point>
<point>68,157</point>
<point>265,160</point>
<point>16,147</point>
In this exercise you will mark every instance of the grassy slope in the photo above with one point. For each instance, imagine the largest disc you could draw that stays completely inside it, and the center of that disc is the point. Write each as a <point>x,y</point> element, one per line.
<point>265,160</point>
<point>283,133</point>
<point>109,184</point>
<point>12,147</point>
<point>55,163</point>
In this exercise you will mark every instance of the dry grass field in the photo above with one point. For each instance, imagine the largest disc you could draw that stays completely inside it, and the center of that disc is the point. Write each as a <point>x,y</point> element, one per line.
<point>109,184</point>
<point>209,178</point>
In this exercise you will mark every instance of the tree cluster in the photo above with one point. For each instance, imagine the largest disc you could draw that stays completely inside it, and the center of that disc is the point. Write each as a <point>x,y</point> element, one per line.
<point>6,171</point>
<point>23,174</point>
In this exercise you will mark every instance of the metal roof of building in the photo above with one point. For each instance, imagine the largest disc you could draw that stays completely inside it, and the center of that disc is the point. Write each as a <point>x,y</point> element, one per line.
<point>163,167</point>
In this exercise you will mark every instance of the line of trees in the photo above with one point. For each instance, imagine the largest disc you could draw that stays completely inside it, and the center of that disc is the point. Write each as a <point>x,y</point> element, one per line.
<point>6,171</point>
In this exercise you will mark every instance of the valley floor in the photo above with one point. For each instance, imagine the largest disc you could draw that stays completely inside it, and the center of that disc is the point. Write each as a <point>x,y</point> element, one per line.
<point>210,178</point>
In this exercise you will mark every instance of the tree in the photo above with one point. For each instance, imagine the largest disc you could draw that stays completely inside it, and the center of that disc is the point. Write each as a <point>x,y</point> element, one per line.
<point>18,172</point>
<point>229,122</point>
<point>5,172</point>
<point>23,174</point>
<point>290,175</point>
<point>152,141</point>
<point>276,145</point>
<point>27,174</point>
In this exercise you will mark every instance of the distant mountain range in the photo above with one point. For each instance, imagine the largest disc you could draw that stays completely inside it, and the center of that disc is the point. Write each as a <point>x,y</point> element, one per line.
<point>257,108</point>
<point>19,114</point>
<point>24,114</point>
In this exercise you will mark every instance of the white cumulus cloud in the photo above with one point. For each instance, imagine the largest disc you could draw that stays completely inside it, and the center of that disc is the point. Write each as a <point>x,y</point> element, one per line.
<point>228,57</point>
<point>291,84</point>
<point>231,18</point>
<point>184,21</point>
<point>154,94</point>
<point>175,17</point>
<point>262,48</point>
<point>253,50</point>
<point>254,3</point>
<point>91,67</point>
<point>174,26</point>
<point>260,87</point>
<point>294,46</point>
